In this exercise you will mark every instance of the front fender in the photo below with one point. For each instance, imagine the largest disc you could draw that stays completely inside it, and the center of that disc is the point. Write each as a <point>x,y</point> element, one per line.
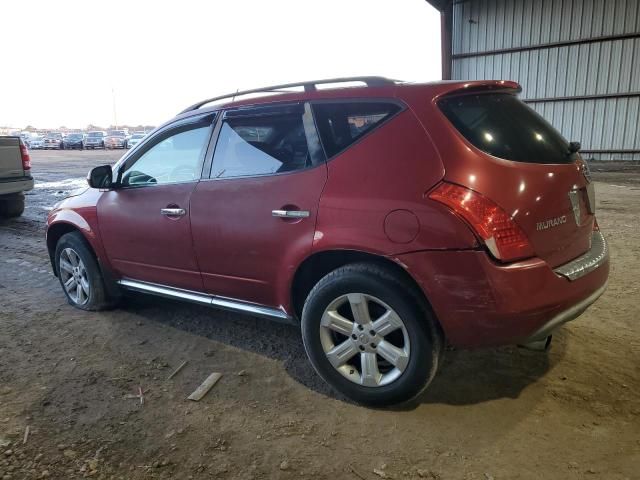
<point>77,213</point>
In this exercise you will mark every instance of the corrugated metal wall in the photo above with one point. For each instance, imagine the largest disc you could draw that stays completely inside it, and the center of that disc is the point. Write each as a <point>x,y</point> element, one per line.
<point>577,61</point>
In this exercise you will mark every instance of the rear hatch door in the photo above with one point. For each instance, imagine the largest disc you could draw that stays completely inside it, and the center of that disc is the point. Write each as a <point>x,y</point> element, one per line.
<point>10,158</point>
<point>525,166</point>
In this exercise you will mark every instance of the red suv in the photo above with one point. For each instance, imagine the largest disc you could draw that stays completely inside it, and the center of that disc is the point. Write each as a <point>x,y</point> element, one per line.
<point>385,219</point>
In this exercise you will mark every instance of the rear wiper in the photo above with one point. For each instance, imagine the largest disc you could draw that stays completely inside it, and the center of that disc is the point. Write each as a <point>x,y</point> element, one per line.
<point>574,147</point>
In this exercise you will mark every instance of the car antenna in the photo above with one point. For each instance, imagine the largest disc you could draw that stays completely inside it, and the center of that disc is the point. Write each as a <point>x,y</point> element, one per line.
<point>234,95</point>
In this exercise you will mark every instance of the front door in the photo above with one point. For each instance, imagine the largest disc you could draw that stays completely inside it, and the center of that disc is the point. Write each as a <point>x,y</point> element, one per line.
<point>254,219</point>
<point>145,221</point>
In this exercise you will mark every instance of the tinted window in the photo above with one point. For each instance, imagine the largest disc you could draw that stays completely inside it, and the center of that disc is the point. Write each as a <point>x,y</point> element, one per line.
<point>261,145</point>
<point>505,127</point>
<point>175,157</point>
<point>341,124</point>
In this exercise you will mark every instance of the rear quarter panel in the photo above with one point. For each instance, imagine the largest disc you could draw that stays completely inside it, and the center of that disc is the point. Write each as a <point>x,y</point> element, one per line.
<point>375,196</point>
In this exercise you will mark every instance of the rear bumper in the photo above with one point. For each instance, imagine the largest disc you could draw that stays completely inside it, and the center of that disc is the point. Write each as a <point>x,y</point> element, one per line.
<point>481,303</point>
<point>19,184</point>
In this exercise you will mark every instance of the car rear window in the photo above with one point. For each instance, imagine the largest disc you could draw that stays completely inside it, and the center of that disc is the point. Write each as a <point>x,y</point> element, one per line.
<point>342,123</point>
<point>503,126</point>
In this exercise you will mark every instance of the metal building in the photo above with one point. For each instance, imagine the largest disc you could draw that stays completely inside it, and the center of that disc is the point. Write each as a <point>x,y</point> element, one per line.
<point>578,62</point>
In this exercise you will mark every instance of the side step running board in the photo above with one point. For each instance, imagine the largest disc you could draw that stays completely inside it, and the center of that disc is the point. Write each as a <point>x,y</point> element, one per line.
<point>205,299</point>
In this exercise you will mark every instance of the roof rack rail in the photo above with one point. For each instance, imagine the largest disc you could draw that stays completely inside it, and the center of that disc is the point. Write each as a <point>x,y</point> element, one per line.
<point>309,86</point>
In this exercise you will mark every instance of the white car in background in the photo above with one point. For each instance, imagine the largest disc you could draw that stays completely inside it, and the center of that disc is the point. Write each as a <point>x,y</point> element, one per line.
<point>36,142</point>
<point>136,138</point>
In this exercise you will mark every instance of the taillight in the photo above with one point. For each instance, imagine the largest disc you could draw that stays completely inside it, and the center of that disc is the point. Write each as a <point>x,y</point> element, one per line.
<point>500,233</point>
<point>26,159</point>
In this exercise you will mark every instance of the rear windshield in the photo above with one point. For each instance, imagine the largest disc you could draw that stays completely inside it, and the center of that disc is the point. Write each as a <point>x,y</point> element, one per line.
<point>503,126</point>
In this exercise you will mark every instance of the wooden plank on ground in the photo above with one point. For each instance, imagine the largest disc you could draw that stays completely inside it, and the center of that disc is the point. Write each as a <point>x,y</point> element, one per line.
<point>202,390</point>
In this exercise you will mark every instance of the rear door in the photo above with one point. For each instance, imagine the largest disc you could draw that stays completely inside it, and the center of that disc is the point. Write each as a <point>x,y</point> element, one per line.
<point>145,222</point>
<point>525,166</point>
<point>254,219</point>
<point>10,158</point>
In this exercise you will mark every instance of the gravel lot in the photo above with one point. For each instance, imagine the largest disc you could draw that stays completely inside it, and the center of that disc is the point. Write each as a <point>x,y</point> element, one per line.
<point>71,376</point>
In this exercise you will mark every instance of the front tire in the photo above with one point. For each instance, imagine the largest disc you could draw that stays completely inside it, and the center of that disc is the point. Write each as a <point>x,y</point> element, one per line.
<point>79,274</point>
<point>370,336</point>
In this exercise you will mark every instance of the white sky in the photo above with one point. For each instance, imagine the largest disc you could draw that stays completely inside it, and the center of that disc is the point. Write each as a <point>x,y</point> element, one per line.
<point>61,59</point>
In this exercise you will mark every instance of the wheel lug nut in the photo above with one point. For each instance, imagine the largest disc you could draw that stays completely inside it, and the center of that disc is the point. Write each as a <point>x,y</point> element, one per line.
<point>372,333</point>
<point>373,345</point>
<point>354,336</point>
<point>361,347</point>
<point>360,327</point>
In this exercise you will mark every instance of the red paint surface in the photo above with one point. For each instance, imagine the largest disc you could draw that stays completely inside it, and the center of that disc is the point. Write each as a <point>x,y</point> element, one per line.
<point>230,245</point>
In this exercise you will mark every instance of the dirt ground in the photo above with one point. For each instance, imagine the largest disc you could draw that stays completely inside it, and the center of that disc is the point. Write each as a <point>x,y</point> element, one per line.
<point>506,413</point>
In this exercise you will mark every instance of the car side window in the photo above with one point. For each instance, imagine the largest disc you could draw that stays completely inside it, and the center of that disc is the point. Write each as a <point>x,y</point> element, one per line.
<point>343,123</point>
<point>174,158</point>
<point>265,143</point>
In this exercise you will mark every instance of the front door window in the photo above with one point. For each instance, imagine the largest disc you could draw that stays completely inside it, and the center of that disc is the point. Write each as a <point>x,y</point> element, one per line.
<point>175,158</point>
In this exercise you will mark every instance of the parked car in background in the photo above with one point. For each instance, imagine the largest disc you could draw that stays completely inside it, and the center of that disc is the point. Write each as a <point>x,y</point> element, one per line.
<point>15,176</point>
<point>117,139</point>
<point>136,138</point>
<point>75,141</point>
<point>54,140</point>
<point>36,142</point>
<point>26,137</point>
<point>386,222</point>
<point>95,139</point>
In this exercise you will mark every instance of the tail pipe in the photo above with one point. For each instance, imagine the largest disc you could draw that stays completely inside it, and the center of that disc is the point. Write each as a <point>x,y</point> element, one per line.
<point>541,345</point>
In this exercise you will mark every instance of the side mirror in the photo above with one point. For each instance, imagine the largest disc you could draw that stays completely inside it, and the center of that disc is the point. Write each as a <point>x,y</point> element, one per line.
<point>100,177</point>
<point>574,147</point>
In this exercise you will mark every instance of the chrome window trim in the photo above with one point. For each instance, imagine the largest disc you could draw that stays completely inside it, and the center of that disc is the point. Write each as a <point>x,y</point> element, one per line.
<point>205,299</point>
<point>588,262</point>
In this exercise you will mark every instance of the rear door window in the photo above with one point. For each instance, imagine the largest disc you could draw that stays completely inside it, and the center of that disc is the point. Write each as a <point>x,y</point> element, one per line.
<point>343,123</point>
<point>266,141</point>
<point>503,126</point>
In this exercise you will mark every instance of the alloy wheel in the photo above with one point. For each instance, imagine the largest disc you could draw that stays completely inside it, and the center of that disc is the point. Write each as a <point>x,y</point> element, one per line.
<point>74,276</point>
<point>365,339</point>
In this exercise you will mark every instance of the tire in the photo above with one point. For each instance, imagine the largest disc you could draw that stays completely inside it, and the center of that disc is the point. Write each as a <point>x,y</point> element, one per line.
<point>12,205</point>
<point>95,296</point>
<point>418,337</point>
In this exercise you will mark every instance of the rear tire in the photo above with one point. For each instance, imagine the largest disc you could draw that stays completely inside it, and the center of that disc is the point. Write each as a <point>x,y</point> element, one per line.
<point>393,357</point>
<point>12,205</point>
<point>79,274</point>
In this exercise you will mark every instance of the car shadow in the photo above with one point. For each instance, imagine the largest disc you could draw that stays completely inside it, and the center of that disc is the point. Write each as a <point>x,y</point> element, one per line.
<point>466,377</point>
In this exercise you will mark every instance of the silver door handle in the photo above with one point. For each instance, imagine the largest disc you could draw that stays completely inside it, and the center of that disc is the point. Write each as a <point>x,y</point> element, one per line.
<point>173,212</point>
<point>290,213</point>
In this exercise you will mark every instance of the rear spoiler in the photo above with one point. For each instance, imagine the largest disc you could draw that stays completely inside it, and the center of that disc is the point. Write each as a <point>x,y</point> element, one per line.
<point>463,88</point>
